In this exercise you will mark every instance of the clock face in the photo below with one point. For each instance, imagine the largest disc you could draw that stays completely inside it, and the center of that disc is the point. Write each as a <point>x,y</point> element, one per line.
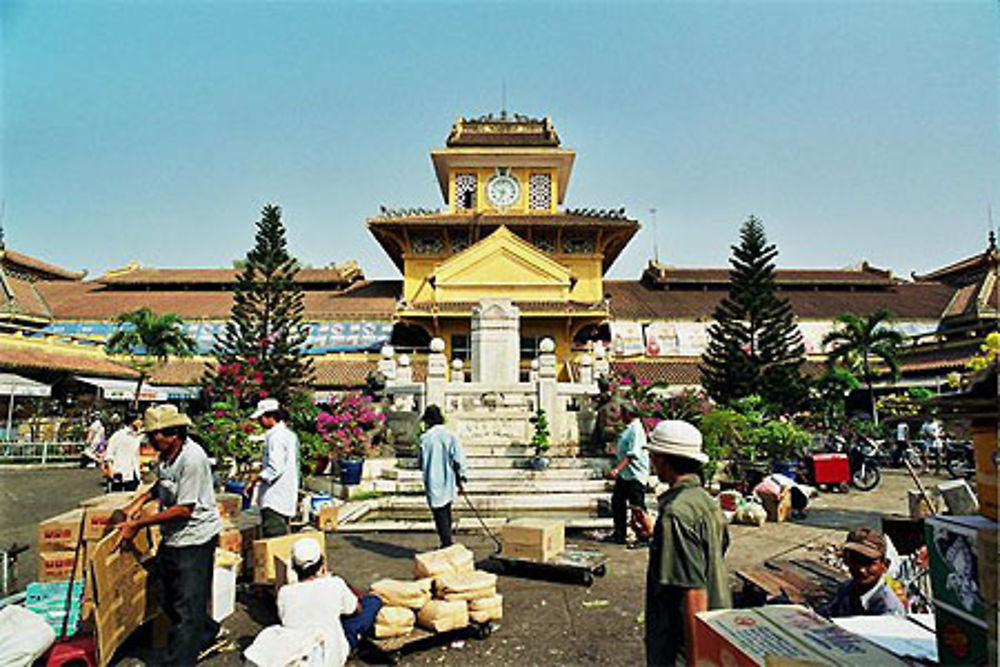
<point>503,190</point>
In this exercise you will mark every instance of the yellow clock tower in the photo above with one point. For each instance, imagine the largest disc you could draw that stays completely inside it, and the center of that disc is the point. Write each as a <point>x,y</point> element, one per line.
<point>502,234</point>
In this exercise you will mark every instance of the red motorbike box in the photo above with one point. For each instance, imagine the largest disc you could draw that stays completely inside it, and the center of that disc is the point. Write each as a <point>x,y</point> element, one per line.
<point>831,468</point>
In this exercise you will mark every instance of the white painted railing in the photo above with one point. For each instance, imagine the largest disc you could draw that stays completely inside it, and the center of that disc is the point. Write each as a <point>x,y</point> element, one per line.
<point>40,452</point>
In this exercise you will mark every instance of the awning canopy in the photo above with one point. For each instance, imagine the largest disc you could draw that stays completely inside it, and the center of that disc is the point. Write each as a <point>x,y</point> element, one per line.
<point>124,390</point>
<point>15,385</point>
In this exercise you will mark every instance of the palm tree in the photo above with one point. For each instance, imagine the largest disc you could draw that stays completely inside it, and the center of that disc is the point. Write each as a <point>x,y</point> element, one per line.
<point>862,340</point>
<point>149,340</point>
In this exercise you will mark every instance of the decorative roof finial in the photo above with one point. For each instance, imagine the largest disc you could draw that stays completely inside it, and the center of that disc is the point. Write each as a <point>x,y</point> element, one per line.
<point>503,100</point>
<point>991,245</point>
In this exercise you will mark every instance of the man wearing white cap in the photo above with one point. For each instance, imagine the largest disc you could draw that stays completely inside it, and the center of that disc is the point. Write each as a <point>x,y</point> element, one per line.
<point>279,475</point>
<point>686,572</point>
<point>324,602</point>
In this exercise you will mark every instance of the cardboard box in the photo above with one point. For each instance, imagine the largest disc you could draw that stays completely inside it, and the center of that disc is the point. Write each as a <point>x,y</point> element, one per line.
<point>231,539</point>
<point>60,533</point>
<point>264,552</point>
<point>326,518</point>
<point>779,634</point>
<point>961,639</point>
<point>533,539</point>
<point>958,497</point>
<point>984,442</point>
<point>58,566</point>
<point>283,573</point>
<point>229,504</point>
<point>953,547</point>
<point>102,513</point>
<point>778,508</point>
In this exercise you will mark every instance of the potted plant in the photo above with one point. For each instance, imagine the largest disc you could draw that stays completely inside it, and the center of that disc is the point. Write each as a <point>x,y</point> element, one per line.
<point>345,423</point>
<point>540,441</point>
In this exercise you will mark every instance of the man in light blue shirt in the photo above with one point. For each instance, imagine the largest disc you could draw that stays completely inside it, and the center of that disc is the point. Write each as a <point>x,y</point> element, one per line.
<point>443,464</point>
<point>631,471</point>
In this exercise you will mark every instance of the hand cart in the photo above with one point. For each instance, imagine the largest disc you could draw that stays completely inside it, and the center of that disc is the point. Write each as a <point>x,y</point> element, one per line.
<point>392,648</point>
<point>576,563</point>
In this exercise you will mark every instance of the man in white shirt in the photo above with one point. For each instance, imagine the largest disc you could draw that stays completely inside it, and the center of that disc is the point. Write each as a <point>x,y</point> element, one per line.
<point>279,476</point>
<point>322,619</point>
<point>121,459</point>
<point>95,439</point>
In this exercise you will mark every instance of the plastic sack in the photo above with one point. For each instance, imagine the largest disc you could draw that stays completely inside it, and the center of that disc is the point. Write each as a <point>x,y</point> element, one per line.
<point>394,593</point>
<point>750,514</point>
<point>24,636</point>
<point>278,646</point>
<point>456,558</point>
<point>441,616</point>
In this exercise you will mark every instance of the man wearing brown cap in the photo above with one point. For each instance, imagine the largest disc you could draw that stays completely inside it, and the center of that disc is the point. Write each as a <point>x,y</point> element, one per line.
<point>190,524</point>
<point>686,572</point>
<point>866,594</point>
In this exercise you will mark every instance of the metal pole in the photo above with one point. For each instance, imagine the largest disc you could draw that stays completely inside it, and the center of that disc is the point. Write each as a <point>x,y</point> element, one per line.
<point>10,412</point>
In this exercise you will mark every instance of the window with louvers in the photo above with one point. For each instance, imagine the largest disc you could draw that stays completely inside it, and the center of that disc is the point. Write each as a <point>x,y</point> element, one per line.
<point>540,192</point>
<point>465,192</point>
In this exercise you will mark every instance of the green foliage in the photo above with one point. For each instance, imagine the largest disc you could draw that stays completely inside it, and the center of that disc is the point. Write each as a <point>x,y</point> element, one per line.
<point>149,340</point>
<point>265,329</point>
<point>229,435</point>
<point>830,394</point>
<point>860,341</point>
<point>540,439</point>
<point>754,344</point>
<point>747,431</point>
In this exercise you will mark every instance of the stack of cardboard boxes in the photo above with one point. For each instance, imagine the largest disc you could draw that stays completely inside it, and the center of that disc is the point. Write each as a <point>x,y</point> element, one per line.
<point>963,564</point>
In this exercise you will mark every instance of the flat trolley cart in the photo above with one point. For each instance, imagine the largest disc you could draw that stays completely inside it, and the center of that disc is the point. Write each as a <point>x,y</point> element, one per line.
<point>576,563</point>
<point>391,649</point>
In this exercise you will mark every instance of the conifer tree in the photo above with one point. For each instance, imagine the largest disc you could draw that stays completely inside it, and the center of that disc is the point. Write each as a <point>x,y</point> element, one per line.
<point>754,345</point>
<point>260,352</point>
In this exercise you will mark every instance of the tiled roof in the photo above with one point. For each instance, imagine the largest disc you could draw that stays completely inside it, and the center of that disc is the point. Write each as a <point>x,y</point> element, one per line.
<point>526,307</point>
<point>633,301</point>
<point>489,219</point>
<point>135,276</point>
<point>93,301</point>
<point>669,372</point>
<point>25,299</point>
<point>934,357</point>
<point>38,267</point>
<point>669,275</point>
<point>515,130</point>
<point>19,353</point>
<point>975,262</point>
<point>181,371</point>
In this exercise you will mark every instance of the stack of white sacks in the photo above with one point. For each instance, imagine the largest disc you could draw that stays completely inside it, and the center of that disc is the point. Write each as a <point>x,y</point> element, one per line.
<point>447,594</point>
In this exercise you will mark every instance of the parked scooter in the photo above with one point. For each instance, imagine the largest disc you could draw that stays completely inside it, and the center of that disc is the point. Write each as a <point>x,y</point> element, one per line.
<point>862,460</point>
<point>959,459</point>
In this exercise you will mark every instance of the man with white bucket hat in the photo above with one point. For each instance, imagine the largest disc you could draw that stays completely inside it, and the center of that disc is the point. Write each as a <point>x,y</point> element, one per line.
<point>190,524</point>
<point>686,572</point>
<point>279,475</point>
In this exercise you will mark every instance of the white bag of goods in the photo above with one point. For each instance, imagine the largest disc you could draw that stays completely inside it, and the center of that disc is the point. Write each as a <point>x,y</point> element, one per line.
<point>486,609</point>
<point>394,593</point>
<point>456,558</point>
<point>24,636</point>
<point>444,615</point>
<point>466,585</point>
<point>394,622</point>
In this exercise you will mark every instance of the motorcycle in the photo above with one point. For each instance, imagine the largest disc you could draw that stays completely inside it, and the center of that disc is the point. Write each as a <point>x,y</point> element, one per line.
<point>862,462</point>
<point>959,459</point>
<point>863,458</point>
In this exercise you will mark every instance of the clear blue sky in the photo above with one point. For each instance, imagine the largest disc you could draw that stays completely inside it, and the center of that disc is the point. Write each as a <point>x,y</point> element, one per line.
<point>156,131</point>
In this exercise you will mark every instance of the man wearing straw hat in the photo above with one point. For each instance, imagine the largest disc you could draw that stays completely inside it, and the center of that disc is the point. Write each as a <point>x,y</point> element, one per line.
<point>686,572</point>
<point>189,523</point>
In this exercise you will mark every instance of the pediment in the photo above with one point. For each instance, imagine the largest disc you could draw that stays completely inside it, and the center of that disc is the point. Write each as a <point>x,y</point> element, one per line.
<point>503,260</point>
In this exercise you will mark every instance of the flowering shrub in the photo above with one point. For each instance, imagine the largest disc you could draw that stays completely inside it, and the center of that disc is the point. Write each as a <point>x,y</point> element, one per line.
<point>346,424</point>
<point>239,383</point>
<point>228,434</point>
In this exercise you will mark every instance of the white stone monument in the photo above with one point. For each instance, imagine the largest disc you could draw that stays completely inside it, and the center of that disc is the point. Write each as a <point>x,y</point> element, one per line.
<point>496,342</point>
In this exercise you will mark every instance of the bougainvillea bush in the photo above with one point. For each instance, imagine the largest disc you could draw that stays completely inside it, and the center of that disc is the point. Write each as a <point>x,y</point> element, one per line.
<point>346,423</point>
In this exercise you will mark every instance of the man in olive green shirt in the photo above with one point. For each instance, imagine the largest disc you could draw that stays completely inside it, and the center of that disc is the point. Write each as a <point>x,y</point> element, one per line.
<point>686,572</point>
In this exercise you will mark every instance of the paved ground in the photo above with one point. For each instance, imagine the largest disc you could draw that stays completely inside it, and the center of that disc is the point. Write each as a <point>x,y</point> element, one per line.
<point>544,623</point>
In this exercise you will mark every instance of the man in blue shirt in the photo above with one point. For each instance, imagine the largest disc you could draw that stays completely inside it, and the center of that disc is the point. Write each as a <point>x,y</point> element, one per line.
<point>631,471</point>
<point>867,593</point>
<point>443,464</point>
